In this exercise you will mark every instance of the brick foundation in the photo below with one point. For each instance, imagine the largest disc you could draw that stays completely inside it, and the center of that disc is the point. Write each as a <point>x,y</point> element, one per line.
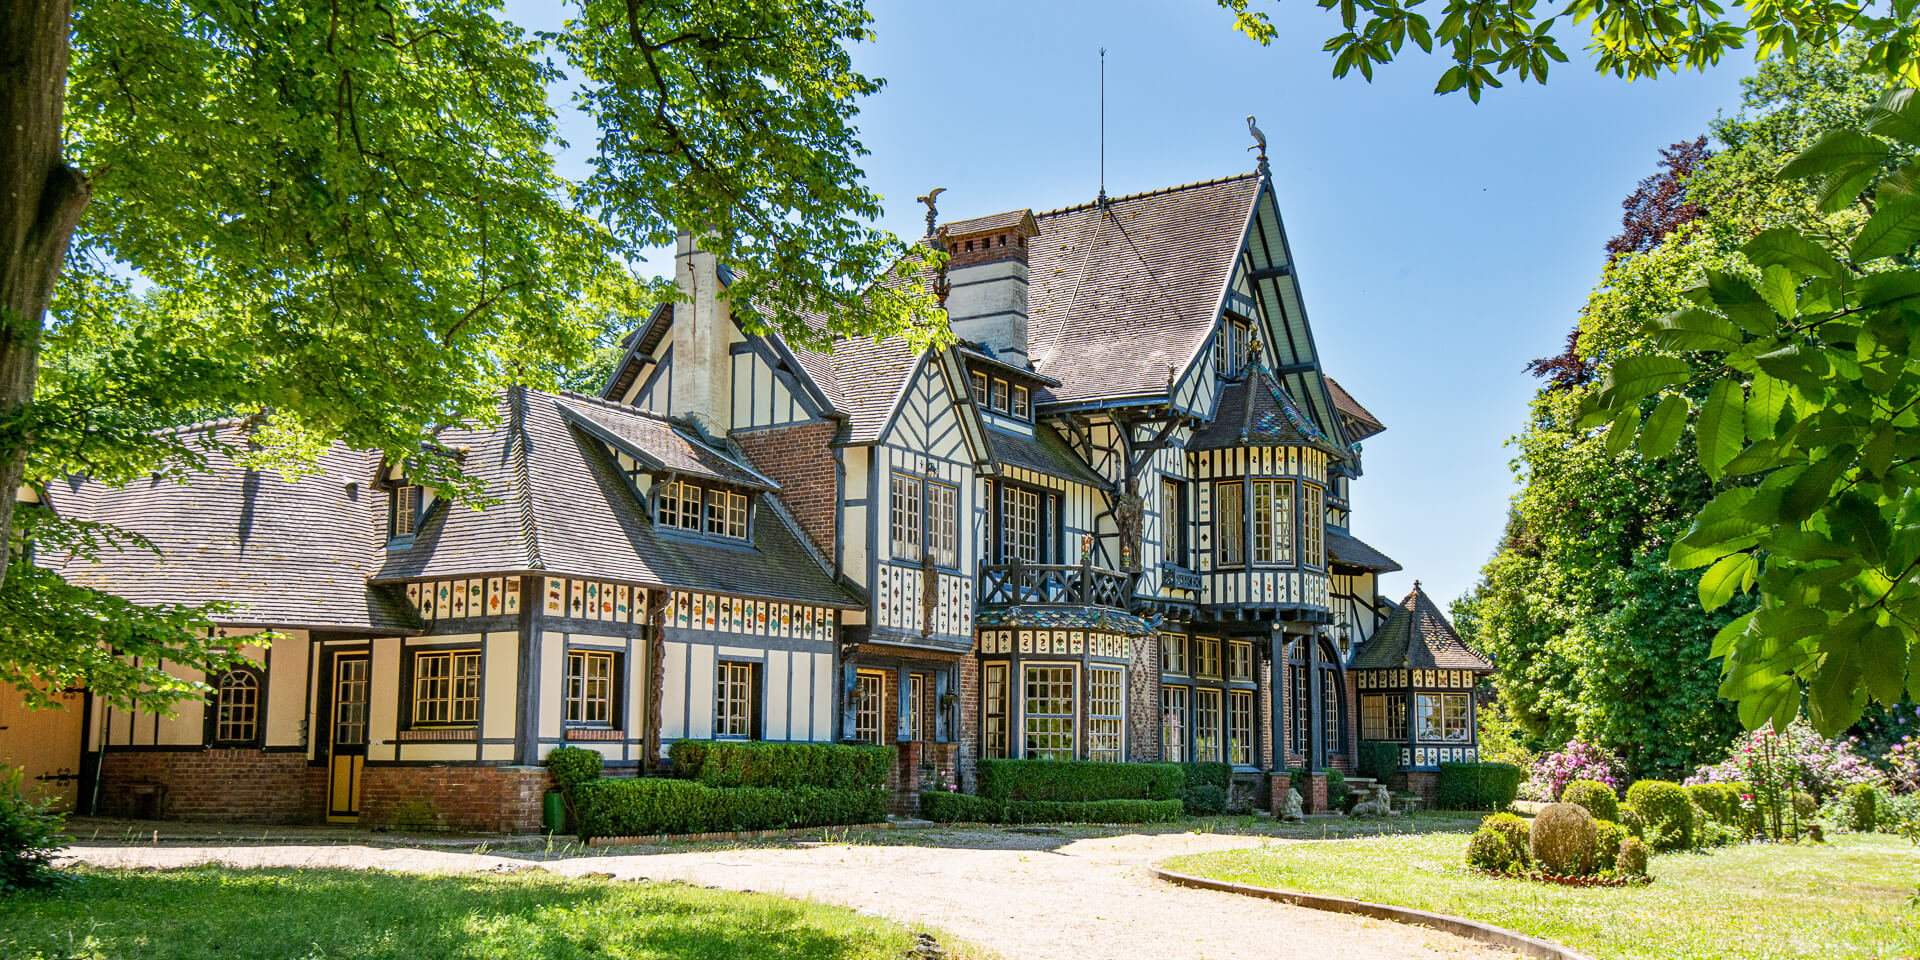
<point>1424,783</point>
<point>487,799</point>
<point>1277,786</point>
<point>1316,792</point>
<point>229,786</point>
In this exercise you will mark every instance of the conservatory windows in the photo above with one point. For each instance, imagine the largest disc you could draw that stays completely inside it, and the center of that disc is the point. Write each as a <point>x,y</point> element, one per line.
<point>1383,716</point>
<point>1050,696</point>
<point>1105,694</point>
<point>1442,717</point>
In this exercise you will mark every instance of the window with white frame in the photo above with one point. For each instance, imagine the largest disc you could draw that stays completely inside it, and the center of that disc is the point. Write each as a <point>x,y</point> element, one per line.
<point>1173,653</point>
<point>993,729</point>
<point>869,697</point>
<point>589,697</point>
<point>925,512</point>
<point>1297,669</point>
<point>1240,661</point>
<point>1173,520</point>
<point>1106,695</point>
<point>1206,725</point>
<point>1022,402</point>
<point>1383,716</point>
<point>1000,395</point>
<point>446,688</point>
<point>1313,522</point>
<point>407,498</point>
<point>1272,521</point>
<point>1229,522</point>
<point>979,382</point>
<point>1050,699</point>
<point>919,718</point>
<point>237,707</point>
<point>1240,727</point>
<point>1206,657</point>
<point>1022,525</point>
<point>734,701</point>
<point>1442,717</point>
<point>1331,728</point>
<point>715,511</point>
<point>1173,724</point>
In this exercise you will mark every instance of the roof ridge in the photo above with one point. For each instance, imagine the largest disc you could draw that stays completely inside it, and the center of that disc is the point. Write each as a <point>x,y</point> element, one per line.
<point>1037,214</point>
<point>614,405</point>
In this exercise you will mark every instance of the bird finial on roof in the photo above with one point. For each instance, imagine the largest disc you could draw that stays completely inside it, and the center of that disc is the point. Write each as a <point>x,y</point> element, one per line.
<point>1259,142</point>
<point>932,200</point>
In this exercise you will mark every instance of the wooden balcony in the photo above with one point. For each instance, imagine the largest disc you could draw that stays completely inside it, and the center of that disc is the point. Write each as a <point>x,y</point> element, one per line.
<point>1055,584</point>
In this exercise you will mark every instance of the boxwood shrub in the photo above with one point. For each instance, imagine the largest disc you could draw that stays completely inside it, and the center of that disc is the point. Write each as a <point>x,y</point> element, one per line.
<point>1080,780</point>
<point>1597,797</point>
<point>1379,759</point>
<point>1478,786</point>
<point>645,806</point>
<point>573,766</point>
<point>1205,792</point>
<point>1668,810</point>
<point>944,807</point>
<point>1721,803</point>
<point>748,763</point>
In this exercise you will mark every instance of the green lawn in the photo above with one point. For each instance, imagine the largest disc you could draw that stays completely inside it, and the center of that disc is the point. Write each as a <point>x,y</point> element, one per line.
<point>1848,898</point>
<point>312,914</point>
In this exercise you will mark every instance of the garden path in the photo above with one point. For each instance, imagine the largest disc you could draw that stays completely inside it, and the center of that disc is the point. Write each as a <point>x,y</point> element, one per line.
<point>1024,897</point>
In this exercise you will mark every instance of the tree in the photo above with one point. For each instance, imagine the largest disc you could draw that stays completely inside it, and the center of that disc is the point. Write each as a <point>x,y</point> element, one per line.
<point>1485,40</point>
<point>343,217</point>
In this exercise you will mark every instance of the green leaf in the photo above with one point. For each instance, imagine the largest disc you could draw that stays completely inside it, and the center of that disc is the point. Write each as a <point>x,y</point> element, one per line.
<point>1891,287</point>
<point>1631,379</point>
<point>1843,162</point>
<point>1737,297</point>
<point>1780,289</point>
<point>1884,662</point>
<point>1720,429</point>
<point>1894,228</point>
<point>1620,435</point>
<point>1788,248</point>
<point>1693,328</point>
<point>1726,637</point>
<point>1767,396</point>
<point>1811,489</point>
<point>1663,427</point>
<point>1857,521</point>
<point>1724,579</point>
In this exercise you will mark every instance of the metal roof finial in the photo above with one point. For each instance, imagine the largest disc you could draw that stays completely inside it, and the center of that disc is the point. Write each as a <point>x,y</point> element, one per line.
<point>1259,144</point>
<point>932,200</point>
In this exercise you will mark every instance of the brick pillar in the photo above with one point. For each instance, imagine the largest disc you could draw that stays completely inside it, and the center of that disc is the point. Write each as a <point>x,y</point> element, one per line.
<point>906,779</point>
<point>1316,793</point>
<point>1278,784</point>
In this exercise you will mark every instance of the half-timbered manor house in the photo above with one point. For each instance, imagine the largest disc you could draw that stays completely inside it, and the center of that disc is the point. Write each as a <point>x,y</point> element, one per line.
<point>1111,522</point>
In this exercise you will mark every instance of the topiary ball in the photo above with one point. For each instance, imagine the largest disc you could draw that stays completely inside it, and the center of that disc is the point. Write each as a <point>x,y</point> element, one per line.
<point>1490,851</point>
<point>1606,845</point>
<point>1669,812</point>
<point>1597,797</point>
<point>1632,859</point>
<point>1562,839</point>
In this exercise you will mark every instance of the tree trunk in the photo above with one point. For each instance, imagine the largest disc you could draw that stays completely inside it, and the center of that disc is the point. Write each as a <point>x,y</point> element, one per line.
<point>40,203</point>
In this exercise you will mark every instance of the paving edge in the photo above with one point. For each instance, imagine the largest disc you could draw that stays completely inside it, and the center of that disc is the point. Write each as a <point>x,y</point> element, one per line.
<point>650,839</point>
<point>1458,926</point>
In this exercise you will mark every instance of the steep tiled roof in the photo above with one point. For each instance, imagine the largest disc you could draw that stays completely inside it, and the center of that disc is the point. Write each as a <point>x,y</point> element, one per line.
<point>657,442</point>
<point>1044,452</point>
<point>1350,551</point>
<point>1256,411</point>
<point>1419,637</point>
<point>285,551</point>
<point>639,344</point>
<point>993,221</point>
<point>1118,294</point>
<point>1361,423</point>
<point>562,505</point>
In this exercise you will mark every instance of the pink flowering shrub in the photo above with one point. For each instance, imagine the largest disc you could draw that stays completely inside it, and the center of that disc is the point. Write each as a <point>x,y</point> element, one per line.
<point>1578,760</point>
<point>1800,757</point>
<point>1902,761</point>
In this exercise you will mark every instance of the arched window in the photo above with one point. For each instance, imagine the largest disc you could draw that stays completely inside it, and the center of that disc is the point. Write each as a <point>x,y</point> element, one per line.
<point>1333,700</point>
<point>236,708</point>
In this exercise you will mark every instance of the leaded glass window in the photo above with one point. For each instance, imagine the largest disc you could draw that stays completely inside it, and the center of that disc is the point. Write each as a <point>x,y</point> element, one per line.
<point>1240,661</point>
<point>237,707</point>
<point>1442,717</point>
<point>1206,725</point>
<point>1050,697</point>
<point>1106,688</point>
<point>1173,724</point>
<point>1206,657</point>
<point>1240,728</point>
<point>1272,521</point>
<point>1229,522</point>
<point>1383,716</point>
<point>1173,652</point>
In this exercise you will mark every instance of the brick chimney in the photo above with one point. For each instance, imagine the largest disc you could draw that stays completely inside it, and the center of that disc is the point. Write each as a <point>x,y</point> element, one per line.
<point>702,338</point>
<point>987,265</point>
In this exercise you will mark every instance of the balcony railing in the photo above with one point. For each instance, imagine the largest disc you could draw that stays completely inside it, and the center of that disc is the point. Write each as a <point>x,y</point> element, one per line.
<point>1081,584</point>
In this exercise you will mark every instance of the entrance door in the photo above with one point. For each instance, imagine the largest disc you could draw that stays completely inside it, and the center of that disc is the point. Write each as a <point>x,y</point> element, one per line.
<point>347,737</point>
<point>45,743</point>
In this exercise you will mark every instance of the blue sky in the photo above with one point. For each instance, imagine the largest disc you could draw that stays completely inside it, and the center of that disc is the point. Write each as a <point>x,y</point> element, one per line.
<point>1441,244</point>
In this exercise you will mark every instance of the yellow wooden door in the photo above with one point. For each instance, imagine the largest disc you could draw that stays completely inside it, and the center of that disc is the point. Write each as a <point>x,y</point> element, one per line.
<point>347,737</point>
<point>45,743</point>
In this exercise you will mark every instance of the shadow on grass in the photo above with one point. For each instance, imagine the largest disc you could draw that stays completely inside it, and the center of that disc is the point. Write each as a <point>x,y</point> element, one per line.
<point>199,913</point>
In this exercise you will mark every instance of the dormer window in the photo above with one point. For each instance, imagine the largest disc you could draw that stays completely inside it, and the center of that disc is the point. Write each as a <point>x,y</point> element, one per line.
<point>980,389</point>
<point>711,510</point>
<point>406,510</point>
<point>1230,345</point>
<point>1022,402</point>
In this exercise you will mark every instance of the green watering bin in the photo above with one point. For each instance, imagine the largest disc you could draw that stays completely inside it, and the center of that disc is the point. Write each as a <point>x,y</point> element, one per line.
<point>554,813</point>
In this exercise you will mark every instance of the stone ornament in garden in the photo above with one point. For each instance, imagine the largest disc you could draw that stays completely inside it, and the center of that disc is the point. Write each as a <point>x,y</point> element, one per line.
<point>1291,810</point>
<point>1378,803</point>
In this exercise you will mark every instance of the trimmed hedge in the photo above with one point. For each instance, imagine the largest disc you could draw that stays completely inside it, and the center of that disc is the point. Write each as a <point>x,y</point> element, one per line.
<point>1478,786</point>
<point>787,766</point>
<point>942,807</point>
<point>1596,797</point>
<point>1721,803</point>
<point>573,766</point>
<point>1337,795</point>
<point>1669,812</point>
<point>1207,786</point>
<point>1077,781</point>
<point>645,806</point>
<point>1379,759</point>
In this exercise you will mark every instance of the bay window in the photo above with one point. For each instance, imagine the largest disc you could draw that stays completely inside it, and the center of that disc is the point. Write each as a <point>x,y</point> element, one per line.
<point>1442,717</point>
<point>1051,695</point>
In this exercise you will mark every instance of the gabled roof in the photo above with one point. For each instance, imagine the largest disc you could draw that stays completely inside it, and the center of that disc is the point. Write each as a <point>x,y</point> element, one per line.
<point>639,344</point>
<point>1347,550</point>
<point>991,222</point>
<point>1257,411</point>
<point>1119,293</point>
<point>1417,636</point>
<point>1044,452</point>
<point>285,551</point>
<point>560,504</point>
<point>1359,421</point>
<point>657,442</point>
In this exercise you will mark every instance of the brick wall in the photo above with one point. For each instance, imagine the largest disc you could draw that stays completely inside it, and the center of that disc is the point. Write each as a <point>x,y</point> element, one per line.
<point>1277,786</point>
<point>231,786</point>
<point>1143,713</point>
<point>966,773</point>
<point>799,458</point>
<point>1269,733</point>
<point>488,799</point>
<point>1426,783</point>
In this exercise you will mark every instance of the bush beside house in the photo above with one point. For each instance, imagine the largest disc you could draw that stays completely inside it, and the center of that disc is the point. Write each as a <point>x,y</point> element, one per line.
<point>1478,786</point>
<point>726,786</point>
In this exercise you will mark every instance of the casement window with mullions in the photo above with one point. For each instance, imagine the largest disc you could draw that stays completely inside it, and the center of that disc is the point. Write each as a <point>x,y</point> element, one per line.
<point>924,520</point>
<point>713,511</point>
<point>591,681</point>
<point>1002,396</point>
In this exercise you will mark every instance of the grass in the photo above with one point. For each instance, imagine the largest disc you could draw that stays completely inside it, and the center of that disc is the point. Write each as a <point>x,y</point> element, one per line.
<point>1851,898</point>
<point>312,914</point>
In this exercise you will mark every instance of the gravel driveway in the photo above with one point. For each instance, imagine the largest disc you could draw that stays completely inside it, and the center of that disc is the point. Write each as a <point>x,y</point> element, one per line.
<point>1088,899</point>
